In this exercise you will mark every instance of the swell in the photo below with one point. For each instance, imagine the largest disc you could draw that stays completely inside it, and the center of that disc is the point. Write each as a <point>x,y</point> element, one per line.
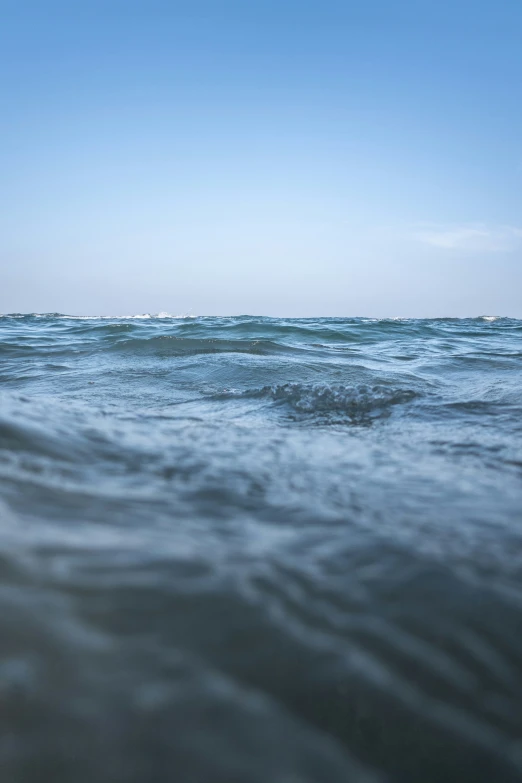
<point>453,341</point>
<point>77,434</point>
<point>330,329</point>
<point>171,345</point>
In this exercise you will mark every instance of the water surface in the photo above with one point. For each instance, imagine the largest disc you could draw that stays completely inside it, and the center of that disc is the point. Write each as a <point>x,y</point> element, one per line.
<point>249,550</point>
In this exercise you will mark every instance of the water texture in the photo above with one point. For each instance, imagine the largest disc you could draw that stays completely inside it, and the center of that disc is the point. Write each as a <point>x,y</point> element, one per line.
<point>253,550</point>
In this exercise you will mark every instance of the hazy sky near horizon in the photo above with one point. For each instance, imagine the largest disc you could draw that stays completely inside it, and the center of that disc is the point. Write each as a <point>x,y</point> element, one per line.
<point>279,158</point>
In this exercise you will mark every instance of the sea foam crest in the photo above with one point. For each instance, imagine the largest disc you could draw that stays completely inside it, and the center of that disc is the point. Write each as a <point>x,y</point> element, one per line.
<point>138,317</point>
<point>351,402</point>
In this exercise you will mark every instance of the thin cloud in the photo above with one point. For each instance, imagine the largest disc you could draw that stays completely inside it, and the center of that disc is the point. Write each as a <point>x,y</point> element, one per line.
<point>469,238</point>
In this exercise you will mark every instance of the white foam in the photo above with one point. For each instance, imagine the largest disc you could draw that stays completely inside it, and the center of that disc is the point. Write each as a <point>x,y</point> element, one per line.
<point>141,316</point>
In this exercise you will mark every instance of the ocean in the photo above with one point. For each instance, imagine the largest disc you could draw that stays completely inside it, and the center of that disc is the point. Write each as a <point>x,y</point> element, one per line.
<point>260,550</point>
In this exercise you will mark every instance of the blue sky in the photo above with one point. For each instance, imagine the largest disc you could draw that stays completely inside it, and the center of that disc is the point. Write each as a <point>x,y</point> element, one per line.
<point>289,158</point>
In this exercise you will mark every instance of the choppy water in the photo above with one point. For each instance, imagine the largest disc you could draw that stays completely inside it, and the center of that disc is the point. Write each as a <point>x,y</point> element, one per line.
<point>249,550</point>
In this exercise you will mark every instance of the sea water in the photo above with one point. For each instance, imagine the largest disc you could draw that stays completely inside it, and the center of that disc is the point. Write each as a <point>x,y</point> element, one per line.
<point>259,550</point>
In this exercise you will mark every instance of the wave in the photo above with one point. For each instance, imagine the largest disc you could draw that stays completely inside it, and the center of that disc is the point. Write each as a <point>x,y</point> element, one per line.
<point>50,331</point>
<point>139,317</point>
<point>170,345</point>
<point>354,403</point>
<point>63,316</point>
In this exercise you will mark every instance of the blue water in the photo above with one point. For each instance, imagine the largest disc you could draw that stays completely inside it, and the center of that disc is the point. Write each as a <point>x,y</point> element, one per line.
<point>238,550</point>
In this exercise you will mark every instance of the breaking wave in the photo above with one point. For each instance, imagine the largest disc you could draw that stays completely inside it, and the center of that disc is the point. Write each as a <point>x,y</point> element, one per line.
<point>356,403</point>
